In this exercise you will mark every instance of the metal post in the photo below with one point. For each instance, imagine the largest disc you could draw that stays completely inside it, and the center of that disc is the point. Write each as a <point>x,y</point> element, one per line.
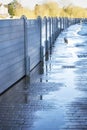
<point>54,34</point>
<point>40,36</point>
<point>46,40</point>
<point>63,23</point>
<point>27,58</point>
<point>56,29</point>
<point>60,24</point>
<point>50,32</point>
<point>42,54</point>
<point>67,22</point>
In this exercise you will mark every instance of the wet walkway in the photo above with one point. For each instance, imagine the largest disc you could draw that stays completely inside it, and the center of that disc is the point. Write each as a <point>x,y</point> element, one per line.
<point>56,96</point>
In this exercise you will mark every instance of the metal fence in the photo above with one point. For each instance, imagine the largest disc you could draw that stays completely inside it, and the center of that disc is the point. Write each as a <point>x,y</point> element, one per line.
<point>23,43</point>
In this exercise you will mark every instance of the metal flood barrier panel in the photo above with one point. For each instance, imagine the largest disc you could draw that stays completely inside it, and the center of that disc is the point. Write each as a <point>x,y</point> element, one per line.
<point>34,42</point>
<point>12,66</point>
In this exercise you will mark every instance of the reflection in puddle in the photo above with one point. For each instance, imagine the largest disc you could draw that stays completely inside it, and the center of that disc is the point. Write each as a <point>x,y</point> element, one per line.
<point>67,95</point>
<point>41,97</point>
<point>41,68</point>
<point>26,98</point>
<point>51,120</point>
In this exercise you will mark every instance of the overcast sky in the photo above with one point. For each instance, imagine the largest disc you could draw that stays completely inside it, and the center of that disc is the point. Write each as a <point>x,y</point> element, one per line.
<point>32,3</point>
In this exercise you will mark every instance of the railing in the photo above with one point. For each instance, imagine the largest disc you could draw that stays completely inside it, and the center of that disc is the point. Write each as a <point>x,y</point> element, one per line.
<point>24,43</point>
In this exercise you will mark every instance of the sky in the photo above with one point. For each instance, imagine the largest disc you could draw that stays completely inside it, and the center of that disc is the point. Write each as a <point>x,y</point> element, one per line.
<point>32,3</point>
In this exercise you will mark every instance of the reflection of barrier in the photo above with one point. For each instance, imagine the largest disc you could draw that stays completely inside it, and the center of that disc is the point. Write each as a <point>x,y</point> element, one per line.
<point>24,43</point>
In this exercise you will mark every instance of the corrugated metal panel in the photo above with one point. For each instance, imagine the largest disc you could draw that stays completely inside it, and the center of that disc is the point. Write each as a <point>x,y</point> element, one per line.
<point>10,23</point>
<point>12,65</point>
<point>5,44</point>
<point>33,34</point>
<point>13,29</point>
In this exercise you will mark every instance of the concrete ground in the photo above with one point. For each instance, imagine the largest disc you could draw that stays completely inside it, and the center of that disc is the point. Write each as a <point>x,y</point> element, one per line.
<point>55,98</point>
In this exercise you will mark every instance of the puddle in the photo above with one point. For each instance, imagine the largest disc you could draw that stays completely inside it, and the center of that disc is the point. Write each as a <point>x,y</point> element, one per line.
<point>65,72</point>
<point>50,120</point>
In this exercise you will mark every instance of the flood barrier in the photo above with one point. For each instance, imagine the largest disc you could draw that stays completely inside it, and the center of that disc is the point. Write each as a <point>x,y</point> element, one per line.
<point>23,44</point>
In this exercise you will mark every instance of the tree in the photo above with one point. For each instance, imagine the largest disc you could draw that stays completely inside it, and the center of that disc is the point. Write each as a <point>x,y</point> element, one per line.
<point>12,7</point>
<point>11,10</point>
<point>68,10</point>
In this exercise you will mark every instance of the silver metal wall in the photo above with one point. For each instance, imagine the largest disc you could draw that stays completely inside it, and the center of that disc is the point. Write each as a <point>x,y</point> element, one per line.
<point>12,66</point>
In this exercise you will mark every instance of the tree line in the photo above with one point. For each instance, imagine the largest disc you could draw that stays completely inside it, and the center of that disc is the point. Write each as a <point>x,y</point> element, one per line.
<point>51,9</point>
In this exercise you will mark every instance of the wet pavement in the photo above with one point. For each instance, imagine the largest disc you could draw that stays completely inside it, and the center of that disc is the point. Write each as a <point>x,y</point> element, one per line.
<point>55,98</point>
